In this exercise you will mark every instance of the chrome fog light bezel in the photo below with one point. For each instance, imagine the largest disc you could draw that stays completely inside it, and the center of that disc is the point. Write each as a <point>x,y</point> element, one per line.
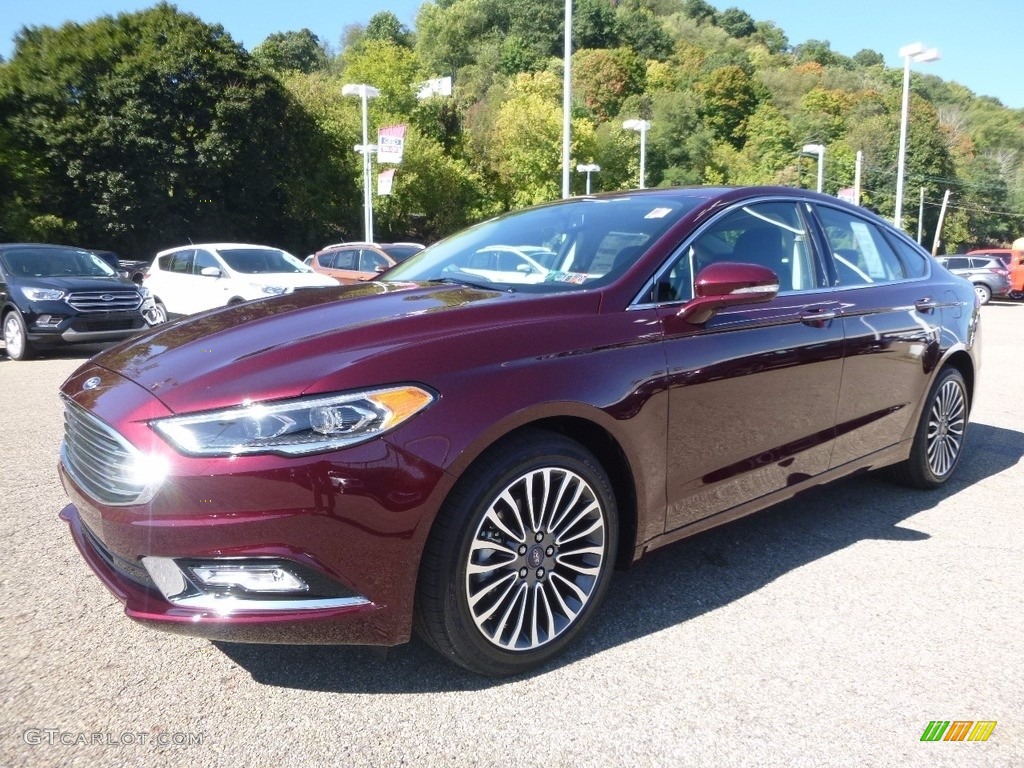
<point>187,583</point>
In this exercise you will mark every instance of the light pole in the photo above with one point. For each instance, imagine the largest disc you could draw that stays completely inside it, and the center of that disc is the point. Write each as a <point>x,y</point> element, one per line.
<point>566,99</point>
<point>642,126</point>
<point>819,150</point>
<point>588,168</point>
<point>912,52</point>
<point>365,93</point>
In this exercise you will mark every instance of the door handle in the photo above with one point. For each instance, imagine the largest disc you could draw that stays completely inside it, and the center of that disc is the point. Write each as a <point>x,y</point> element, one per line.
<point>817,317</point>
<point>926,305</point>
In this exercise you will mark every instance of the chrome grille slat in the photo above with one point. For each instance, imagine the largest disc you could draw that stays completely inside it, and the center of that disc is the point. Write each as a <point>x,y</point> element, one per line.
<point>99,459</point>
<point>93,301</point>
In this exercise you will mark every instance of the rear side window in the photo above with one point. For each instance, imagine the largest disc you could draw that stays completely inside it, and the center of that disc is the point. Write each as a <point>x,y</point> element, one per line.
<point>347,259</point>
<point>861,255</point>
<point>915,262</point>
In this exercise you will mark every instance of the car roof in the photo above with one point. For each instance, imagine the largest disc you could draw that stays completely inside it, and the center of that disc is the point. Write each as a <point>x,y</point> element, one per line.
<point>218,247</point>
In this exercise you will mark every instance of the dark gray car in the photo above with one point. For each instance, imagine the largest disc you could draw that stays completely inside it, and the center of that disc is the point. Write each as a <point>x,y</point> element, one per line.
<point>988,275</point>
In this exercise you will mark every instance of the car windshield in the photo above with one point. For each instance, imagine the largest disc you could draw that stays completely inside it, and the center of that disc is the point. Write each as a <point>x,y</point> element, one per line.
<point>254,261</point>
<point>563,246</point>
<point>55,262</point>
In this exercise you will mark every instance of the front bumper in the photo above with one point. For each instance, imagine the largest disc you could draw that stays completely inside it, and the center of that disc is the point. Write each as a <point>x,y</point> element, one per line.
<point>350,525</point>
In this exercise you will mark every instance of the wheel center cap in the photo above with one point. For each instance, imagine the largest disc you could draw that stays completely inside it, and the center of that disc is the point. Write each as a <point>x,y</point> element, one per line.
<point>535,557</point>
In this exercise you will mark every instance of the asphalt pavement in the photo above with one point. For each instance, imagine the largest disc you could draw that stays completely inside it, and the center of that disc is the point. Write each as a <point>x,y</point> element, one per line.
<point>827,631</point>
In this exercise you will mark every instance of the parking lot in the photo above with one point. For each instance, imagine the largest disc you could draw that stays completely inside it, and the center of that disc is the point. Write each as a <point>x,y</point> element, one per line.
<point>829,630</point>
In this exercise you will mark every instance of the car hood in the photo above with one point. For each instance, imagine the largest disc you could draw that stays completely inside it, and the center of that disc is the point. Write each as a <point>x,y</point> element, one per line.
<point>322,341</point>
<point>77,283</point>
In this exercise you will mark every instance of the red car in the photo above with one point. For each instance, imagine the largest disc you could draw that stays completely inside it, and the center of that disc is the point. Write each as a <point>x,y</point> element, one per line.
<point>474,458</point>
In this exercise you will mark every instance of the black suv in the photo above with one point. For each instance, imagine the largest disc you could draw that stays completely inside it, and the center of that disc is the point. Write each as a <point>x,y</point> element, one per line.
<point>54,294</point>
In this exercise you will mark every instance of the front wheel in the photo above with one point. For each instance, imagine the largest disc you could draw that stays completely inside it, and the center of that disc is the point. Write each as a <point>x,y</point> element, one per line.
<point>939,439</point>
<point>158,314</point>
<point>520,555</point>
<point>1016,295</point>
<point>16,337</point>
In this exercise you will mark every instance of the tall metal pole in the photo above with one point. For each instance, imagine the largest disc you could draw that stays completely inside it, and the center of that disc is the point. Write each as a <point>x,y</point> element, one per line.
<point>915,52</point>
<point>367,191</point>
<point>856,177</point>
<point>920,218</point>
<point>938,228</point>
<point>567,99</point>
<point>897,218</point>
<point>643,153</point>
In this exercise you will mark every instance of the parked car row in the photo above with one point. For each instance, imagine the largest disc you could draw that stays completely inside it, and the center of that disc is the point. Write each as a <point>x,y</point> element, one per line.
<point>1013,260</point>
<point>987,274</point>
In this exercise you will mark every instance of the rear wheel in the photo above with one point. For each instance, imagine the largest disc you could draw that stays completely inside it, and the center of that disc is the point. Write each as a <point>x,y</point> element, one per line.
<point>983,292</point>
<point>16,337</point>
<point>520,556</point>
<point>1016,295</point>
<point>939,440</point>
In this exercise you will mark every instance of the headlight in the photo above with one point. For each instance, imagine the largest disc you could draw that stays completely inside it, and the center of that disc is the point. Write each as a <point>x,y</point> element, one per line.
<point>42,294</point>
<point>294,427</point>
<point>271,290</point>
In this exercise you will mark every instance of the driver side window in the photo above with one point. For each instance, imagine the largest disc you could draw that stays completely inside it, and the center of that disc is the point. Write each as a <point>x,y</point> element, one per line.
<point>768,234</point>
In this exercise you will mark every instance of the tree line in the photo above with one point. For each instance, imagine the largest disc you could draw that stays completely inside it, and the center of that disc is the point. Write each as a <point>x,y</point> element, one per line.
<point>149,129</point>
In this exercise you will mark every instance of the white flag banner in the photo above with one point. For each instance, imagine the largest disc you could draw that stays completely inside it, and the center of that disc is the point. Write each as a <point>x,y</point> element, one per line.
<point>384,181</point>
<point>390,143</point>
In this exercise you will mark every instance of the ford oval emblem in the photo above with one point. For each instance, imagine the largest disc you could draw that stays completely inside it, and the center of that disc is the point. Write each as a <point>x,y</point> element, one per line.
<point>91,383</point>
<point>107,297</point>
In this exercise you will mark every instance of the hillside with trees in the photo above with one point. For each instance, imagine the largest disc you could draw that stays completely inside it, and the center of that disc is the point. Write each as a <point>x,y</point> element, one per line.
<point>148,129</point>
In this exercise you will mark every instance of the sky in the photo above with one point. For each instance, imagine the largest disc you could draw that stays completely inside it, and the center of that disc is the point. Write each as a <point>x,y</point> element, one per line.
<point>980,41</point>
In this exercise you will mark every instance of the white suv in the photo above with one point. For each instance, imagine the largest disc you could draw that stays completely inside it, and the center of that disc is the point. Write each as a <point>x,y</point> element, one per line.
<point>194,278</point>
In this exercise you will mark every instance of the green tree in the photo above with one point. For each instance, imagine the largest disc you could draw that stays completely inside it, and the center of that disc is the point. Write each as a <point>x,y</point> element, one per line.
<point>385,26</point>
<point>603,78</point>
<point>147,129</point>
<point>736,22</point>
<point>301,51</point>
<point>729,98</point>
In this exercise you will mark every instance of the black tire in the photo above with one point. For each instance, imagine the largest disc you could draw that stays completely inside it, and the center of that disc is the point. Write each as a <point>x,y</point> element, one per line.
<point>983,292</point>
<point>501,589</point>
<point>939,439</point>
<point>159,314</point>
<point>16,337</point>
<point>1016,295</point>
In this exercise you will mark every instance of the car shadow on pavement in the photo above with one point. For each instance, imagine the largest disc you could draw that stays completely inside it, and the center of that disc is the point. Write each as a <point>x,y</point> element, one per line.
<point>669,586</point>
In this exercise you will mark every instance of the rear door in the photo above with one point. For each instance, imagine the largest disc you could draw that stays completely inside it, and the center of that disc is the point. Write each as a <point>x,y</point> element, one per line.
<point>175,282</point>
<point>891,319</point>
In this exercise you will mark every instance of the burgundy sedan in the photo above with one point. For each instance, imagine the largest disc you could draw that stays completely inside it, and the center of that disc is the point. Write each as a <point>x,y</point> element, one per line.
<point>472,457</point>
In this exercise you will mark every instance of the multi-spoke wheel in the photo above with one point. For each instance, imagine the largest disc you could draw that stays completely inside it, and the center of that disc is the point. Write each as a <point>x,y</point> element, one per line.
<point>16,337</point>
<point>520,555</point>
<point>939,440</point>
<point>983,292</point>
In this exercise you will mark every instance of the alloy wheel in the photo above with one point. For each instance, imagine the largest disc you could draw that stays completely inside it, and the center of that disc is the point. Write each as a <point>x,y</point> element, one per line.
<point>14,337</point>
<point>535,559</point>
<point>947,422</point>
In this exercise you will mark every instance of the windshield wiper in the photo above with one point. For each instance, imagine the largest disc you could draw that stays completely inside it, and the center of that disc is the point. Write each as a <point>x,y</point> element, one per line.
<point>470,284</point>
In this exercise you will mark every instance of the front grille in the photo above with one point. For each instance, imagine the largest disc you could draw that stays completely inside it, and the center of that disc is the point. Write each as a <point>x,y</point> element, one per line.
<point>104,301</point>
<point>100,460</point>
<point>127,568</point>
<point>94,324</point>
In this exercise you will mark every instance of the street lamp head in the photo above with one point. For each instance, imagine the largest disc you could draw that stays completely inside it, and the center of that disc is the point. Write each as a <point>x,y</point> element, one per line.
<point>636,125</point>
<point>359,89</point>
<point>911,49</point>
<point>813,149</point>
<point>932,54</point>
<point>588,168</point>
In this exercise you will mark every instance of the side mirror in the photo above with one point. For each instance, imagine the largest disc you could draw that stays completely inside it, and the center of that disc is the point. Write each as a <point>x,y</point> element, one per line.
<point>525,269</point>
<point>729,284</point>
<point>210,272</point>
